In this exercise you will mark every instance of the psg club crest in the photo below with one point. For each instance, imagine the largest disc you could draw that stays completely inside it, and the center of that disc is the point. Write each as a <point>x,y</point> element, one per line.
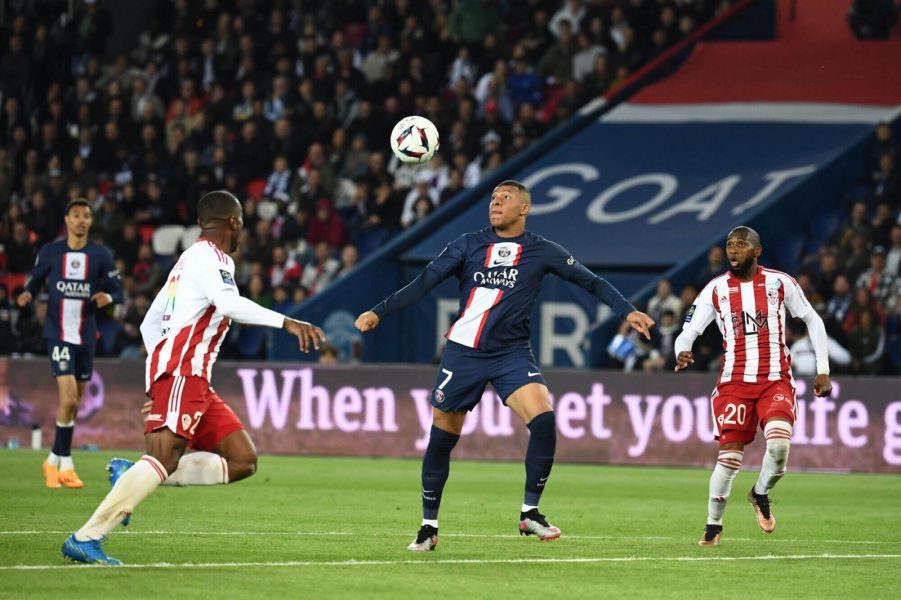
<point>504,253</point>
<point>75,264</point>
<point>439,396</point>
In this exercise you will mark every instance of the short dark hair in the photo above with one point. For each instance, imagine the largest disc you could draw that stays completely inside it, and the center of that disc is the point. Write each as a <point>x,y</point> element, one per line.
<point>78,202</point>
<point>747,233</point>
<point>216,205</point>
<point>519,186</point>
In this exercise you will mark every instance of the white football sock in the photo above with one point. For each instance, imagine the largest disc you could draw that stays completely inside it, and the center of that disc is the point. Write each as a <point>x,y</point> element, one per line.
<point>527,507</point>
<point>728,463</point>
<point>778,441</point>
<point>199,468</point>
<point>53,459</point>
<point>66,463</point>
<point>132,488</point>
<point>432,522</point>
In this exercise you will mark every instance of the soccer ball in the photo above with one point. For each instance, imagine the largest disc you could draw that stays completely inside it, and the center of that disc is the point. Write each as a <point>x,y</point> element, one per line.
<point>414,140</point>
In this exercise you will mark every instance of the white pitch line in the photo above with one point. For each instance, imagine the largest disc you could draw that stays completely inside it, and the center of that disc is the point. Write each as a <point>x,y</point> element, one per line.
<point>647,538</point>
<point>461,561</point>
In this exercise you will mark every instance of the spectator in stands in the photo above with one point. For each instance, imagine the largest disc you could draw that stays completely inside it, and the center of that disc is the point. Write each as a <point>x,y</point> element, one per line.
<point>7,314</point>
<point>823,276</point>
<point>893,256</point>
<point>350,257</point>
<point>716,265</point>
<point>838,309</point>
<point>243,87</point>
<point>883,219</point>
<point>570,14</point>
<point>893,340</point>
<point>422,208</point>
<point>556,65</point>
<point>664,300</point>
<point>278,184</point>
<point>663,337</point>
<point>471,20</point>
<point>285,270</point>
<point>584,59</point>
<point>146,273</point>
<point>321,270</point>
<point>885,184</point>
<point>31,329</point>
<point>863,301</point>
<point>802,353</point>
<point>885,143</point>
<point>326,226</point>
<point>882,285</point>
<point>867,343</point>
<point>856,256</point>
<point>129,342</point>
<point>525,85</point>
<point>422,188</point>
<point>857,223</point>
<point>20,251</point>
<point>42,219</point>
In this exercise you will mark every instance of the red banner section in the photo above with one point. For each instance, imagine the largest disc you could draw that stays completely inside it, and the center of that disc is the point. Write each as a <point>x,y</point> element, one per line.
<point>383,410</point>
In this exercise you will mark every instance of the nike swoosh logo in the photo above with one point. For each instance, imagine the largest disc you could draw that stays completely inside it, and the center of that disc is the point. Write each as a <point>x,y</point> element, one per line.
<point>531,374</point>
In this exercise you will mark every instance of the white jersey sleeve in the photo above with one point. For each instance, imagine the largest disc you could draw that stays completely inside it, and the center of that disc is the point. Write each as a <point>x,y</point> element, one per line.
<point>217,281</point>
<point>701,312</point>
<point>794,299</point>
<point>152,325</point>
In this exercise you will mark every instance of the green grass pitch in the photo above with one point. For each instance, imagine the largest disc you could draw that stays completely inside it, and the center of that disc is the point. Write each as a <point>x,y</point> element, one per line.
<point>338,528</point>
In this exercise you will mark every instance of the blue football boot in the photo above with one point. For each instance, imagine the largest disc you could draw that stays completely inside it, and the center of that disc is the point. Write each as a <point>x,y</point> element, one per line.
<point>89,552</point>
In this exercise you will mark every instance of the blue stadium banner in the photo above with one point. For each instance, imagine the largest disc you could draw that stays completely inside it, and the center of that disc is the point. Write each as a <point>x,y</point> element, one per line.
<point>647,193</point>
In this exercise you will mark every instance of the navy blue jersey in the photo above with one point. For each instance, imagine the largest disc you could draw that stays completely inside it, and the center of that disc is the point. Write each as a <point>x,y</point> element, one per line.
<point>499,281</point>
<point>73,276</point>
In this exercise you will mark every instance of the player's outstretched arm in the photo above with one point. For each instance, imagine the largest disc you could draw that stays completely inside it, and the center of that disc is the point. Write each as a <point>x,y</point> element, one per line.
<point>307,334</point>
<point>367,321</point>
<point>640,322</point>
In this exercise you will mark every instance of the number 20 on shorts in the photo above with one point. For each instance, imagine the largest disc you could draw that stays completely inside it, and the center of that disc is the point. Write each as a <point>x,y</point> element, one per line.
<point>734,414</point>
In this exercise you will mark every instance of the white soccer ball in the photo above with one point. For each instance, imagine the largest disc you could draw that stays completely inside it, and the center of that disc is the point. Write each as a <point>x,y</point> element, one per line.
<point>414,140</point>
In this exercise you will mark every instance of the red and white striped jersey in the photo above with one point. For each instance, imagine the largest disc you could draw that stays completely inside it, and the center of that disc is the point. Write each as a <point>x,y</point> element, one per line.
<point>751,317</point>
<point>183,330</point>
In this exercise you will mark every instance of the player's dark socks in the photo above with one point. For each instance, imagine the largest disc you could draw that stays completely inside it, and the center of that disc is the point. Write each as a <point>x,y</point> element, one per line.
<point>435,469</point>
<point>540,455</point>
<point>62,443</point>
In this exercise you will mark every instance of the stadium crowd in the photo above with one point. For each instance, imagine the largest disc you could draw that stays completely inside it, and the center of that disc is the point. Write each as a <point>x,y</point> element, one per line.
<point>852,277</point>
<point>288,105</point>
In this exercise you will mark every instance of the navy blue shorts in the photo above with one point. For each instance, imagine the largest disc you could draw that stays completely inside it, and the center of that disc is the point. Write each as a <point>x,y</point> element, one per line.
<point>71,359</point>
<point>465,372</point>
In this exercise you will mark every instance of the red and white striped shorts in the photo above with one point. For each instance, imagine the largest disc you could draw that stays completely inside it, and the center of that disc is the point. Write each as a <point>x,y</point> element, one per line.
<point>189,408</point>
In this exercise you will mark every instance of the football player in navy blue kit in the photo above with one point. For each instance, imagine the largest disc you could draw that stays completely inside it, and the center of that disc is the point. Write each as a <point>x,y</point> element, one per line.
<point>500,269</point>
<point>81,278</point>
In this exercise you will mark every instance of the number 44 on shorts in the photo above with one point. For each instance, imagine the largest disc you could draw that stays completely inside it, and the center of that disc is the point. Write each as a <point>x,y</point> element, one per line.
<point>189,424</point>
<point>60,353</point>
